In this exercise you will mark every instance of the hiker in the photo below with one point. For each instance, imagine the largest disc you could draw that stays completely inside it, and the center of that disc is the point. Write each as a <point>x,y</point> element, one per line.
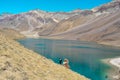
<point>106,76</point>
<point>60,61</point>
<point>66,63</point>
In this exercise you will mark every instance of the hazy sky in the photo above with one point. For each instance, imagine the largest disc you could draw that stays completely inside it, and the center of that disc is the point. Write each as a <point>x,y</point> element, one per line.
<point>17,6</point>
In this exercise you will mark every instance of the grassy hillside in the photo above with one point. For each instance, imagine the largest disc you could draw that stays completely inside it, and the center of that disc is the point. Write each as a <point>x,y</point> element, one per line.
<point>11,33</point>
<point>19,63</point>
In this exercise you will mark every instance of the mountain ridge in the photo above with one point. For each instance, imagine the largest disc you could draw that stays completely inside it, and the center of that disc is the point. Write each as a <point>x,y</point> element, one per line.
<point>68,25</point>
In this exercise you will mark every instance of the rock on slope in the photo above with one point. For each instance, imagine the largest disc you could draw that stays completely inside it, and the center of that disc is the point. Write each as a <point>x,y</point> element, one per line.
<point>18,63</point>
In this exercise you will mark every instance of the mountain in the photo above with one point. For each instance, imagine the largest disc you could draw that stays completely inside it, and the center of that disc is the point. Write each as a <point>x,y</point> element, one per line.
<point>110,7</point>
<point>100,24</point>
<point>33,21</point>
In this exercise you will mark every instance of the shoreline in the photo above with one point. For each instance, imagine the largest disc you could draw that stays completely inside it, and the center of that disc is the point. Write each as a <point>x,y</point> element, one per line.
<point>114,72</point>
<point>114,63</point>
<point>61,38</point>
<point>107,44</point>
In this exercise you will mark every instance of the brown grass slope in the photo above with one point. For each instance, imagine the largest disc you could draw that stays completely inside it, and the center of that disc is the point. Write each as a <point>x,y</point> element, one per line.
<point>11,33</point>
<point>19,63</point>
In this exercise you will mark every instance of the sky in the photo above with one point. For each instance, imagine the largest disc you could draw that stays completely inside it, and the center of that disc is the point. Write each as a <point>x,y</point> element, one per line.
<point>18,6</point>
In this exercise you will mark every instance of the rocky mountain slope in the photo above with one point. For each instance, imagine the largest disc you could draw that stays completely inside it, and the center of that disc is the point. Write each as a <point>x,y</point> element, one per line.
<point>102,29</point>
<point>100,24</point>
<point>33,21</point>
<point>19,63</point>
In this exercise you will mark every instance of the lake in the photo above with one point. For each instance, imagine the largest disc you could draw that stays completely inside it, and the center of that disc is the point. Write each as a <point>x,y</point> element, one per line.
<point>84,57</point>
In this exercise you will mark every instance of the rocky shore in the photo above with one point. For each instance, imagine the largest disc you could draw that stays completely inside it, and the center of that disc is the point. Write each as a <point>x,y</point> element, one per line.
<point>114,72</point>
<point>116,62</point>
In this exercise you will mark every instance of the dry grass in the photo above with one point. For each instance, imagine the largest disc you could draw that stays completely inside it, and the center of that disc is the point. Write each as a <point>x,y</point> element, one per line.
<point>19,63</point>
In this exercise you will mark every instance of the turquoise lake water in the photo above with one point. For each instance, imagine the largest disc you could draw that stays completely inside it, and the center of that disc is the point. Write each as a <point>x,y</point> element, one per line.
<point>84,57</point>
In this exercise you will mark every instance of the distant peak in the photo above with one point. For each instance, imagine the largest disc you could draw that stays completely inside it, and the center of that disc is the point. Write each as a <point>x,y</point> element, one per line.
<point>116,0</point>
<point>109,7</point>
<point>77,10</point>
<point>38,10</point>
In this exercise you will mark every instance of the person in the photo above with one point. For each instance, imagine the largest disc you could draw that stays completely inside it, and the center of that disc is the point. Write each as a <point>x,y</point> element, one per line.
<point>106,76</point>
<point>66,63</point>
<point>60,61</point>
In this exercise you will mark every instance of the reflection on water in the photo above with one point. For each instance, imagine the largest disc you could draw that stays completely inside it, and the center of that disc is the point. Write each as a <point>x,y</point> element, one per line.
<point>84,57</point>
